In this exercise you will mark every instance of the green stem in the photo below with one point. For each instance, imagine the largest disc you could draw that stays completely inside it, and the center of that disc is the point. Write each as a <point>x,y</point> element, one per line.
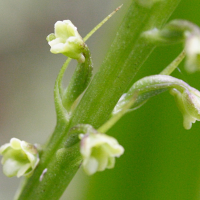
<point>126,55</point>
<point>172,66</point>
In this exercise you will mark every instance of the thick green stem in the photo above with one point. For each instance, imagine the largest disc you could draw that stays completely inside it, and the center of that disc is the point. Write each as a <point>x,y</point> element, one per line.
<point>126,55</point>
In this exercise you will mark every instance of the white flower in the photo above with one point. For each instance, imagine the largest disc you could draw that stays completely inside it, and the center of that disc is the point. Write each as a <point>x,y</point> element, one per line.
<point>19,158</point>
<point>188,103</point>
<point>67,41</point>
<point>192,49</point>
<point>99,152</point>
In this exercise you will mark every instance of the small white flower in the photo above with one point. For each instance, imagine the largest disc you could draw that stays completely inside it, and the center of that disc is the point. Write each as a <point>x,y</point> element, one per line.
<point>192,49</point>
<point>19,158</point>
<point>99,151</point>
<point>188,103</point>
<point>67,41</point>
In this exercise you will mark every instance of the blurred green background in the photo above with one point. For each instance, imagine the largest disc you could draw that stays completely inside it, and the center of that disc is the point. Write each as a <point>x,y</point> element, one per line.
<point>161,159</point>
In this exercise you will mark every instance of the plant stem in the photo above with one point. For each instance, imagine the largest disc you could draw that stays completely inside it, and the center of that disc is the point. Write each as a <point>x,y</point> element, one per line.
<point>126,55</point>
<point>172,66</point>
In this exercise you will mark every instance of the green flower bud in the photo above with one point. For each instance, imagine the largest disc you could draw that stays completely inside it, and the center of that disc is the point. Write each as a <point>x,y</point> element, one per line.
<point>99,151</point>
<point>19,158</point>
<point>188,103</point>
<point>67,41</point>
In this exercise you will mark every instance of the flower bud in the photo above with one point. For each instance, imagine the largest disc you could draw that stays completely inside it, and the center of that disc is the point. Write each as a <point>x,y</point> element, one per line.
<point>99,152</point>
<point>19,158</point>
<point>188,103</point>
<point>67,41</point>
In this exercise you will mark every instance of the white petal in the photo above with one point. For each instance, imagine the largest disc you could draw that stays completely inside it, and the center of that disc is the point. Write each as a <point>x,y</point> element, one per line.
<point>4,147</point>
<point>11,167</point>
<point>61,30</point>
<point>58,48</point>
<point>85,146</point>
<point>192,46</point>
<point>30,152</point>
<point>90,165</point>
<point>15,143</point>
<point>71,29</point>
<point>23,169</point>
<point>187,121</point>
<point>56,41</point>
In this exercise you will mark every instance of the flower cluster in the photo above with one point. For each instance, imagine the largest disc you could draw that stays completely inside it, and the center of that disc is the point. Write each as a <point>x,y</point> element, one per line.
<point>19,158</point>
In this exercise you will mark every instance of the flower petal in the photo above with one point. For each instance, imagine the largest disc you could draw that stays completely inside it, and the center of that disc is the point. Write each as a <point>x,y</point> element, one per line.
<point>15,143</point>
<point>58,48</point>
<point>90,165</point>
<point>22,171</point>
<point>61,30</point>
<point>11,167</point>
